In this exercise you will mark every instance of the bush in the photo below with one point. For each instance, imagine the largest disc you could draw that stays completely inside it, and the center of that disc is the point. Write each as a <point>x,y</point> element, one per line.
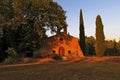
<point>37,55</point>
<point>13,57</point>
<point>56,56</point>
<point>40,55</point>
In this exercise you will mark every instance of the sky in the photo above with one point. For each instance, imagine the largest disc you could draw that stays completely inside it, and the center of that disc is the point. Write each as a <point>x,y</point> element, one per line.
<point>109,10</point>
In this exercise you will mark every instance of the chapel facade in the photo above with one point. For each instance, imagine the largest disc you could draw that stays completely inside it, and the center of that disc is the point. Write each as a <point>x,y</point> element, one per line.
<point>63,45</point>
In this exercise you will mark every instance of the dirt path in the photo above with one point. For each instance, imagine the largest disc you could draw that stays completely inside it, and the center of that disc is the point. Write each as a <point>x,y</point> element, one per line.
<point>83,59</point>
<point>40,61</point>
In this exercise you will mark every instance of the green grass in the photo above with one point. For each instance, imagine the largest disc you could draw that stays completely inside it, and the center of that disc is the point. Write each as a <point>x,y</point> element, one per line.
<point>81,70</point>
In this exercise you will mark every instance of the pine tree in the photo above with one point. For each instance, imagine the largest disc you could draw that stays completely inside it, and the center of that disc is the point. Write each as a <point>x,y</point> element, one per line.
<point>100,38</point>
<point>82,34</point>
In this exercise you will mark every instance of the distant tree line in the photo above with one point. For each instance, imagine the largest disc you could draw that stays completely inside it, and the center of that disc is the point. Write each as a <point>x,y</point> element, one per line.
<point>24,23</point>
<point>112,48</point>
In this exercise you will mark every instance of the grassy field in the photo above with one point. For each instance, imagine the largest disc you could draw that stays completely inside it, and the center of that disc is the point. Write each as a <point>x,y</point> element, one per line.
<point>91,68</point>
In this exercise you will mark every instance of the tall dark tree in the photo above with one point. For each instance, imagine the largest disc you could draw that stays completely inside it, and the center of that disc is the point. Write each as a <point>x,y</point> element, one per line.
<point>6,30</point>
<point>2,55</point>
<point>82,34</point>
<point>100,38</point>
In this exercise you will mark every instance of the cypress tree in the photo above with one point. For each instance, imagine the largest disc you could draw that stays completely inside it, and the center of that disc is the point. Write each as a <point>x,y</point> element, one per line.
<point>82,34</point>
<point>100,38</point>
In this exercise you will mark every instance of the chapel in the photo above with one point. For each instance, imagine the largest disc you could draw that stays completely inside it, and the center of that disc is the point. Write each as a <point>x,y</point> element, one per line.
<point>62,44</point>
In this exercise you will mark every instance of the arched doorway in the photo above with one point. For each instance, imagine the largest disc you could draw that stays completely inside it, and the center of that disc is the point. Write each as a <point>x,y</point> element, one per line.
<point>61,51</point>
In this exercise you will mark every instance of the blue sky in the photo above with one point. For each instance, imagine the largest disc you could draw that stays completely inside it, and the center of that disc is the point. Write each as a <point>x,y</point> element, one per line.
<point>108,9</point>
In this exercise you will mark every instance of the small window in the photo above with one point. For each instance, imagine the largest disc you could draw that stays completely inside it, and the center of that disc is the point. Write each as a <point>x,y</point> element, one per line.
<point>69,52</point>
<point>61,39</point>
<point>53,51</point>
<point>76,54</point>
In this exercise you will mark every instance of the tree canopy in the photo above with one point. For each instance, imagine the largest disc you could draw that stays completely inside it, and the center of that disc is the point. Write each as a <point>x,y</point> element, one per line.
<point>45,14</point>
<point>23,23</point>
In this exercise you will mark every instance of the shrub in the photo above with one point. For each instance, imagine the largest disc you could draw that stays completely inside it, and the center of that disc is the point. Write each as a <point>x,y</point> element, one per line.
<point>41,55</point>
<point>57,57</point>
<point>13,57</point>
<point>37,55</point>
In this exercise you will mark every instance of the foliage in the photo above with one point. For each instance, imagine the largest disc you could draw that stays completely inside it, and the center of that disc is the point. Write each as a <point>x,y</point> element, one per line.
<point>90,46</point>
<point>82,34</point>
<point>37,55</point>
<point>13,56</point>
<point>28,39</point>
<point>2,56</point>
<point>24,28</point>
<point>6,28</point>
<point>100,38</point>
<point>41,54</point>
<point>12,53</point>
<point>118,47</point>
<point>6,13</point>
<point>111,48</point>
<point>42,13</point>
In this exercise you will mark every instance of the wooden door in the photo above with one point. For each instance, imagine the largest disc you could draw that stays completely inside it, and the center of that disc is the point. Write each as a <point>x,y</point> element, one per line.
<point>61,51</point>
